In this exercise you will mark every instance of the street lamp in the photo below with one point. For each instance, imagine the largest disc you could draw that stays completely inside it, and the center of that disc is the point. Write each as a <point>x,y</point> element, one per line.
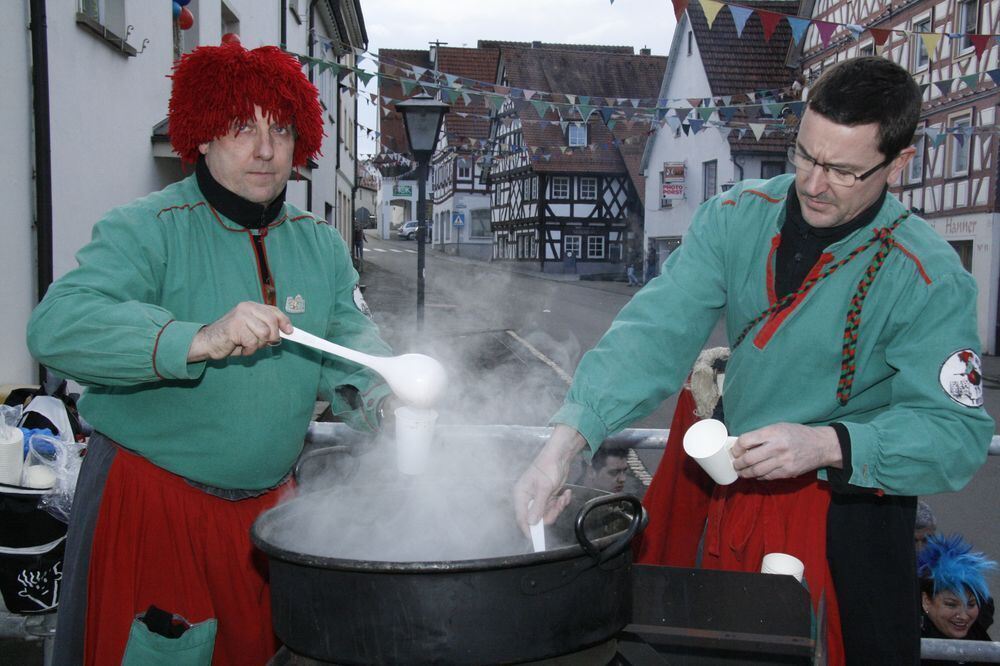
<point>422,116</point>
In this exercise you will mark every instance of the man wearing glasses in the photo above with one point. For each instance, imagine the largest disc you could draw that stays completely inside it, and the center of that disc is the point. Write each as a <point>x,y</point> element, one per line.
<point>854,378</point>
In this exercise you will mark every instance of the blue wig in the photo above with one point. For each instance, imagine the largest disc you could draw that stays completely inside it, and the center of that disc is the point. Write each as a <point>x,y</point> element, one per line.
<point>948,564</point>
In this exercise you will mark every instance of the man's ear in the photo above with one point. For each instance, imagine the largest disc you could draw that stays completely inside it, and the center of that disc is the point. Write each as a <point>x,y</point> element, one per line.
<point>899,163</point>
<point>203,147</point>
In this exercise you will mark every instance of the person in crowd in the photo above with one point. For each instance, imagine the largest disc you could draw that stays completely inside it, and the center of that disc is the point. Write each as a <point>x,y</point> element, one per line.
<point>954,595</point>
<point>925,525</point>
<point>172,321</point>
<point>606,470</point>
<point>633,279</point>
<point>854,378</point>
<point>652,262</point>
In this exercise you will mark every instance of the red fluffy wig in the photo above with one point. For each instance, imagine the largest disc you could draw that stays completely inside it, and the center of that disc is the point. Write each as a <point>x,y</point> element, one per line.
<point>216,86</point>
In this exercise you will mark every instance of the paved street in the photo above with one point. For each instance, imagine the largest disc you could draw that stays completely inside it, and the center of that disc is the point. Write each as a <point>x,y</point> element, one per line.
<point>487,321</point>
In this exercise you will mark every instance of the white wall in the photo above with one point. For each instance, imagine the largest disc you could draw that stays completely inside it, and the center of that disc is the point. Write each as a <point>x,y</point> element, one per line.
<point>17,248</point>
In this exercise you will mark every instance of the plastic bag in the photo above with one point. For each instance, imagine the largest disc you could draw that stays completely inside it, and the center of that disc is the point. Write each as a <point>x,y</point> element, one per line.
<point>10,415</point>
<point>53,463</point>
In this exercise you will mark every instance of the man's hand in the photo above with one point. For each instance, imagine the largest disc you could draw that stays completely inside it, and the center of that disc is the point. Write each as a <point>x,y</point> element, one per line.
<point>785,450</point>
<point>536,493</point>
<point>240,332</point>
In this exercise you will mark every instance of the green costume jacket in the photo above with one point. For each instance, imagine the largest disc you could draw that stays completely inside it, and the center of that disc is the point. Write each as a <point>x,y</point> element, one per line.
<point>914,413</point>
<point>155,272</point>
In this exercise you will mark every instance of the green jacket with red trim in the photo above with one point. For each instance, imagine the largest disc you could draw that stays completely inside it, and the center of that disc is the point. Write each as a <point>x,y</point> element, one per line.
<point>160,268</point>
<point>914,413</point>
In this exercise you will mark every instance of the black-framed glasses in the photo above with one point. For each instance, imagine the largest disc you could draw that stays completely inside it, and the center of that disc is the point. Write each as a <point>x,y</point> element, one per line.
<point>835,175</point>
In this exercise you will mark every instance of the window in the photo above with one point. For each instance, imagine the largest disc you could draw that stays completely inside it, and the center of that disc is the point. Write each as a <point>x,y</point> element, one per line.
<point>867,49</point>
<point>479,224</point>
<point>571,244</point>
<point>770,169</point>
<point>960,145</point>
<point>920,57</point>
<point>576,134</point>
<point>464,169</point>
<point>588,189</point>
<point>690,42</point>
<point>106,19</point>
<point>915,170</point>
<point>595,247</point>
<point>532,188</point>
<point>560,187</point>
<point>614,251</point>
<point>230,22</point>
<point>964,249</point>
<point>709,176</point>
<point>968,19</point>
<point>446,224</point>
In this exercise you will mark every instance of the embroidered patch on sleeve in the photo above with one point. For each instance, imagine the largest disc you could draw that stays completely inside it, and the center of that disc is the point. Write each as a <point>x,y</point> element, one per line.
<point>961,378</point>
<point>359,302</point>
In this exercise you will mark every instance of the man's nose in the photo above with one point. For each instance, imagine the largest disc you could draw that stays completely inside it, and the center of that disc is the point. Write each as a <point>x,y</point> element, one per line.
<point>816,182</point>
<point>265,146</point>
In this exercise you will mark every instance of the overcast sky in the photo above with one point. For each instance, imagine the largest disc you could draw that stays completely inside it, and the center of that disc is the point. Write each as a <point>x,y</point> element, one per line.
<point>409,24</point>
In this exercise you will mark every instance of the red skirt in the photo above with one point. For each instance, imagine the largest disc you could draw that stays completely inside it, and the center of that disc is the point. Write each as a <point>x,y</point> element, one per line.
<point>159,541</point>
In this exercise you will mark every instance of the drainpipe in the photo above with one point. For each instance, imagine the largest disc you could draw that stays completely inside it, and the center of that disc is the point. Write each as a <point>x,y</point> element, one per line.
<point>43,149</point>
<point>283,41</point>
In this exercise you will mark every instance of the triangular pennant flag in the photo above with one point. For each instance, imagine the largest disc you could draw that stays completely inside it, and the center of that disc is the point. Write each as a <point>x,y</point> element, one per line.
<point>727,113</point>
<point>880,35</point>
<point>585,111</point>
<point>541,107</point>
<point>364,76</point>
<point>797,108</point>
<point>724,131</point>
<point>758,130</point>
<point>931,40</point>
<point>696,125</point>
<point>612,123</point>
<point>528,94</point>
<point>571,98</point>
<point>774,109</point>
<point>686,128</point>
<point>799,26</point>
<point>938,139</point>
<point>959,137</point>
<point>705,113</point>
<point>466,98</point>
<point>994,74</point>
<point>606,114</point>
<point>584,100</point>
<point>770,21</point>
<point>825,29</point>
<point>452,79</point>
<point>679,7</point>
<point>418,71</point>
<point>682,113</point>
<point>931,133</point>
<point>711,9</point>
<point>495,101</point>
<point>970,80</point>
<point>980,42</point>
<point>740,16</point>
<point>944,86</point>
<point>673,122</point>
<point>450,95</point>
<point>923,88</point>
<point>855,30</point>
<point>408,86</point>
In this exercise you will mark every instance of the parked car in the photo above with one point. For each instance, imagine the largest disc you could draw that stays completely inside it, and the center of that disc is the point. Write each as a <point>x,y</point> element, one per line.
<point>408,230</point>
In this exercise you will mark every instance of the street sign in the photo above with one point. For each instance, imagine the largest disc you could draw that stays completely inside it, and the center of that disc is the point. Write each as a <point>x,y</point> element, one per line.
<point>458,219</point>
<point>402,190</point>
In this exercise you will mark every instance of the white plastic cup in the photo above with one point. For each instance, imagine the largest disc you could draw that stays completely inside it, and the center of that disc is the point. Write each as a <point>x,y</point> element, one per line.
<point>11,455</point>
<point>783,564</point>
<point>414,434</point>
<point>708,442</point>
<point>38,476</point>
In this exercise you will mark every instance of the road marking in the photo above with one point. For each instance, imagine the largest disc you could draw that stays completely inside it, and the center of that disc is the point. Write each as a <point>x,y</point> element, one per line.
<point>396,251</point>
<point>410,251</point>
<point>633,460</point>
<point>376,249</point>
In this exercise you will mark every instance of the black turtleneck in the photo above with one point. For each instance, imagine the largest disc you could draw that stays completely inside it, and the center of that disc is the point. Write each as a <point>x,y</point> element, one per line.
<point>801,244</point>
<point>244,213</point>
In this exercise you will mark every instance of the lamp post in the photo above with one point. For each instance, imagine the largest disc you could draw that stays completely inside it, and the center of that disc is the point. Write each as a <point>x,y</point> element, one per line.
<point>422,116</point>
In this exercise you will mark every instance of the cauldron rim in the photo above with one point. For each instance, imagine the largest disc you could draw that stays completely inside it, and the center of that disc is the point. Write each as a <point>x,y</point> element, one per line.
<point>569,552</point>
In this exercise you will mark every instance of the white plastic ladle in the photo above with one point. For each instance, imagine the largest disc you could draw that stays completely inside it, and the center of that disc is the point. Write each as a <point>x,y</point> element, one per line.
<point>416,379</point>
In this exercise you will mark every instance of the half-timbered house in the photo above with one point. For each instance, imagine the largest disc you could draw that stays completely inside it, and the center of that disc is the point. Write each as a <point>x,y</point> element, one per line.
<point>562,193</point>
<point>713,90</point>
<point>461,221</point>
<point>952,182</point>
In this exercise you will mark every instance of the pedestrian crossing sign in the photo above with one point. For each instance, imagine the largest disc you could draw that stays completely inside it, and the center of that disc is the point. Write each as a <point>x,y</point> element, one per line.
<point>458,219</point>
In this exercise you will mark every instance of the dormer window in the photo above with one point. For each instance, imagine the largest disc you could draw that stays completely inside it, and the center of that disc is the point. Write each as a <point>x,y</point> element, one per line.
<point>464,169</point>
<point>576,134</point>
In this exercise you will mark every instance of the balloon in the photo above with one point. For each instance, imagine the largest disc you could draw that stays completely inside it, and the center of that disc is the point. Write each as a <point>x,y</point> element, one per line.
<point>230,38</point>
<point>177,9</point>
<point>186,19</point>
<point>183,3</point>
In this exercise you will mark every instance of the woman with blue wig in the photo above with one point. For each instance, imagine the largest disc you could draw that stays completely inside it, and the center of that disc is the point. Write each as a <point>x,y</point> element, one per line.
<point>954,592</point>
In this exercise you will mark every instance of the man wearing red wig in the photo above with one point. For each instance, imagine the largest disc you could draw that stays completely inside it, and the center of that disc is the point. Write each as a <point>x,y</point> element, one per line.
<point>172,322</point>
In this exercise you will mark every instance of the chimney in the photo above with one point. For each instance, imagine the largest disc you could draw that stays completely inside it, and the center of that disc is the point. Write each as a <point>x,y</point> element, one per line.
<point>536,45</point>
<point>645,51</point>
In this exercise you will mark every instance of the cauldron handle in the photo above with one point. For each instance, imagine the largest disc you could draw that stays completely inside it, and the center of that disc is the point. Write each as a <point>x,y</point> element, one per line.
<point>617,547</point>
<point>314,454</point>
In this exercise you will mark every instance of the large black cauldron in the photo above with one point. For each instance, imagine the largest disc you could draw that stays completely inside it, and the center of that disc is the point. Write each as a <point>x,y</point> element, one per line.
<point>514,608</point>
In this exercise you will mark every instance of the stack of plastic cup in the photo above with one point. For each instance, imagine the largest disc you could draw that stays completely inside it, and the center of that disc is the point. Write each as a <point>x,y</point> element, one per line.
<point>11,454</point>
<point>414,434</point>
<point>783,564</point>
